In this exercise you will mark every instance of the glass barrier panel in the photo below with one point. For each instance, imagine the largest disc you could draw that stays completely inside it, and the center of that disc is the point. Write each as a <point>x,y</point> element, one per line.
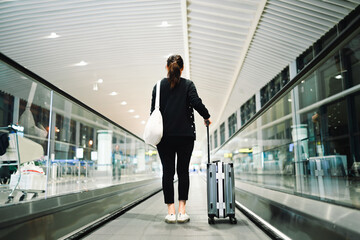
<point>90,153</point>
<point>85,150</point>
<point>308,142</point>
<point>25,104</point>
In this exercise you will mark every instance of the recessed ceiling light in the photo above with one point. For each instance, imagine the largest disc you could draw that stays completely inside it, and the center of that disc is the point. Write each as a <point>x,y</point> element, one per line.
<point>113,93</point>
<point>53,35</point>
<point>338,76</point>
<point>100,80</point>
<point>136,116</point>
<point>131,110</point>
<point>123,103</point>
<point>95,87</point>
<point>143,122</point>
<point>82,63</point>
<point>164,24</point>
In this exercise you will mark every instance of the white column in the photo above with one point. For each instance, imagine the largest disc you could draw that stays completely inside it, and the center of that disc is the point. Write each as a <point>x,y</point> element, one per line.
<point>104,139</point>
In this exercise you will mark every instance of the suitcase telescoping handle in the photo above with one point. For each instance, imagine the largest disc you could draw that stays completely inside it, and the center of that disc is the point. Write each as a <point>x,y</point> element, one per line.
<point>207,122</point>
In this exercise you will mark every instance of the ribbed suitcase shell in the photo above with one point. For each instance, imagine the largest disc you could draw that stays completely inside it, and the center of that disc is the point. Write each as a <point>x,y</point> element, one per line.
<point>220,187</point>
<point>220,190</point>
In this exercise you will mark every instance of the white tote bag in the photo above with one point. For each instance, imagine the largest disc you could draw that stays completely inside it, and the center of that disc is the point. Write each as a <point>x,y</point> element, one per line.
<point>154,126</point>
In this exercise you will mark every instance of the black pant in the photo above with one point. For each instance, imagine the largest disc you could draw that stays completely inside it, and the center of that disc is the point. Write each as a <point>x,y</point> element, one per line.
<point>167,148</point>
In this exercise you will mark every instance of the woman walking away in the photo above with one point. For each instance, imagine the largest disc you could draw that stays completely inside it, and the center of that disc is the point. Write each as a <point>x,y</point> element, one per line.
<point>178,98</point>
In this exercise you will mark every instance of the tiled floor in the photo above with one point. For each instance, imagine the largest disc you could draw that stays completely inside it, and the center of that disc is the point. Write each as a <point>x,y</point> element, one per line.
<point>146,221</point>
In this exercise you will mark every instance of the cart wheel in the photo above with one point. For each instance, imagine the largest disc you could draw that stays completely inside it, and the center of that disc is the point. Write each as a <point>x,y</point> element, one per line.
<point>34,196</point>
<point>233,220</point>
<point>22,197</point>
<point>211,221</point>
<point>10,199</point>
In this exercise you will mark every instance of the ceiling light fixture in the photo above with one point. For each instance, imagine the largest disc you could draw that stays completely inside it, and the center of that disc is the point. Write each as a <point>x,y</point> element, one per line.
<point>113,93</point>
<point>338,76</point>
<point>143,122</point>
<point>136,116</point>
<point>100,80</point>
<point>164,24</point>
<point>80,64</point>
<point>131,110</point>
<point>53,35</point>
<point>95,87</point>
<point>123,103</point>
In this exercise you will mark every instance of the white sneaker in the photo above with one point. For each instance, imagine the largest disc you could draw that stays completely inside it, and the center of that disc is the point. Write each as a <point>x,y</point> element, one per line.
<point>183,218</point>
<point>170,218</point>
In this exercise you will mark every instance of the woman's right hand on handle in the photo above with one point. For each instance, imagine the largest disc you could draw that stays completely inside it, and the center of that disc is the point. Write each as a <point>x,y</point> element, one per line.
<point>207,122</point>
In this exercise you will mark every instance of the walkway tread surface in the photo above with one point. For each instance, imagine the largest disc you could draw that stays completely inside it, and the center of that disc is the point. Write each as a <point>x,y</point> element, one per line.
<point>146,221</point>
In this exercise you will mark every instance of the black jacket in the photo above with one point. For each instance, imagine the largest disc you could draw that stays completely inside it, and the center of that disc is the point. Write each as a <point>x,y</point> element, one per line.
<point>176,107</point>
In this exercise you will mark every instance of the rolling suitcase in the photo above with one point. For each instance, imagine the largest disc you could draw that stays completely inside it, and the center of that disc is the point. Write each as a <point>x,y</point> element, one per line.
<point>220,189</point>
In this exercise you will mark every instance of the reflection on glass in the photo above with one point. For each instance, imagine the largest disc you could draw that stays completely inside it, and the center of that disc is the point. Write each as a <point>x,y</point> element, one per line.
<point>308,142</point>
<point>86,151</point>
<point>25,103</point>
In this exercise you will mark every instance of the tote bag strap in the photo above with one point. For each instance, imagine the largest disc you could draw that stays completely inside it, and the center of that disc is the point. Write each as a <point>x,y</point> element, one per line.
<point>157,100</point>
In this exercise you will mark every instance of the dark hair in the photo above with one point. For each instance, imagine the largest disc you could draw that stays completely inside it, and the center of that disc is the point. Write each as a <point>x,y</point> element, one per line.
<point>175,64</point>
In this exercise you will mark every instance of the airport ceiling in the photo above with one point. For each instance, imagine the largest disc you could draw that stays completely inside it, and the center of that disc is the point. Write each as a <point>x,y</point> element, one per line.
<point>231,48</point>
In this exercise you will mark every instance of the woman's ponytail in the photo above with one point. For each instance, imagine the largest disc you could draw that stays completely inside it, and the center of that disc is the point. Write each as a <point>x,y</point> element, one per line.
<point>175,65</point>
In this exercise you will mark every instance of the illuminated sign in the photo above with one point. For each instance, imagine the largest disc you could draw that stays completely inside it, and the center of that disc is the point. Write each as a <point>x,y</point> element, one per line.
<point>245,150</point>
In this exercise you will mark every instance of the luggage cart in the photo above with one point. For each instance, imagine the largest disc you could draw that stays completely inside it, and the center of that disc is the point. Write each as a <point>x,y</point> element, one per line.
<point>13,157</point>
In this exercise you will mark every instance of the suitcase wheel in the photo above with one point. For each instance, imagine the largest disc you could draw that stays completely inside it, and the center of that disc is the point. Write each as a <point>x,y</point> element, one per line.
<point>211,220</point>
<point>233,220</point>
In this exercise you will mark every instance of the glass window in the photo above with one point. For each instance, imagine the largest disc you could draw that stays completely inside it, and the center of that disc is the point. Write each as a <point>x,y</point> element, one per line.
<point>325,40</point>
<point>215,139</point>
<point>264,95</point>
<point>308,91</point>
<point>351,62</point>
<point>222,133</point>
<point>277,83</point>
<point>242,114</point>
<point>232,123</point>
<point>330,78</point>
<point>252,107</point>
<point>285,76</point>
<point>304,59</point>
<point>281,109</point>
<point>247,110</point>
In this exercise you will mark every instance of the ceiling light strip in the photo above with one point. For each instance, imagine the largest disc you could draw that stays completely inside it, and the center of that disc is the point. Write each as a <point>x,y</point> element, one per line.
<point>185,37</point>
